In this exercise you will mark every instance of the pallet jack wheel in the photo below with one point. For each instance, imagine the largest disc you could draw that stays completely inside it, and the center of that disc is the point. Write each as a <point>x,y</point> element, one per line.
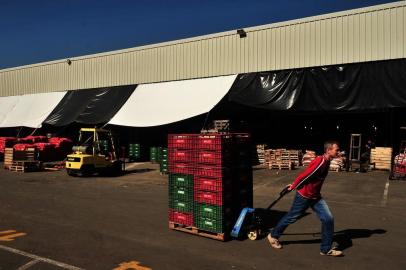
<point>253,234</point>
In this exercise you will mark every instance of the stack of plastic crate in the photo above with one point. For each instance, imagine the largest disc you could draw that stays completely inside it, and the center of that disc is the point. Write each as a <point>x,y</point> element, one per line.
<point>181,153</point>
<point>163,160</point>
<point>153,154</point>
<point>223,180</point>
<point>134,151</point>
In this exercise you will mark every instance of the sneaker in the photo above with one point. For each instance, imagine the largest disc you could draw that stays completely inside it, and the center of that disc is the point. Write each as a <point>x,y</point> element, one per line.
<point>274,242</point>
<point>333,253</point>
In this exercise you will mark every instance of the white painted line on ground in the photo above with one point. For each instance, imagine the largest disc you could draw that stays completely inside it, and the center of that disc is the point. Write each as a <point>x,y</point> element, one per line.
<point>41,259</point>
<point>28,265</point>
<point>385,194</point>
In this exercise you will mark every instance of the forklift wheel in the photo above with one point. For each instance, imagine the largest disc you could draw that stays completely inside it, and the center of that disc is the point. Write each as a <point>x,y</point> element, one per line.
<point>70,172</point>
<point>253,235</point>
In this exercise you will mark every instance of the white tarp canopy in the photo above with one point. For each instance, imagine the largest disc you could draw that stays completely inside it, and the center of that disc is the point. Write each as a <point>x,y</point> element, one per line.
<point>6,106</point>
<point>28,110</point>
<point>163,103</point>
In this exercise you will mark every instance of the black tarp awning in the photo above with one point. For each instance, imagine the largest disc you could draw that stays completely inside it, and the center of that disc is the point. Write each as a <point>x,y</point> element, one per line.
<point>351,87</point>
<point>92,106</point>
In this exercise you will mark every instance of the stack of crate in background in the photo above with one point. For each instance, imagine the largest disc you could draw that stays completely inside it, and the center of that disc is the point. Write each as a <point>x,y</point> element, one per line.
<point>163,160</point>
<point>153,154</point>
<point>134,152</point>
<point>220,166</point>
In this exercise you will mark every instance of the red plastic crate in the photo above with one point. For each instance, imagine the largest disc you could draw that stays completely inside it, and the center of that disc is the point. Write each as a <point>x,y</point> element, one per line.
<point>211,184</point>
<point>182,141</point>
<point>181,155</point>
<point>181,167</point>
<point>212,171</point>
<point>214,141</point>
<point>213,157</point>
<point>211,197</point>
<point>181,217</point>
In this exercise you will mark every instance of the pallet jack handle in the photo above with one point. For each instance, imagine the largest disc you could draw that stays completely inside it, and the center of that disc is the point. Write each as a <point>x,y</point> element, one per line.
<point>281,194</point>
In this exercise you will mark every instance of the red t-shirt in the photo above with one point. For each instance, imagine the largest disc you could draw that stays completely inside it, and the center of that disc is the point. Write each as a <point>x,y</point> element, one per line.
<point>309,182</point>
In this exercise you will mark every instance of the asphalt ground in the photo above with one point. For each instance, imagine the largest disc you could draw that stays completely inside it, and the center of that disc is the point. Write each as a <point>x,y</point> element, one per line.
<point>49,220</point>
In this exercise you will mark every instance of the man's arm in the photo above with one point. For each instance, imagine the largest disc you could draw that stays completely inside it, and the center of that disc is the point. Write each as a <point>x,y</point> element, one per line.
<point>306,174</point>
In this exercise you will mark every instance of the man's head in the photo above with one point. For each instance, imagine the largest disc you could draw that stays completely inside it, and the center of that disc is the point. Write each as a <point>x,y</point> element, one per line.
<point>331,149</point>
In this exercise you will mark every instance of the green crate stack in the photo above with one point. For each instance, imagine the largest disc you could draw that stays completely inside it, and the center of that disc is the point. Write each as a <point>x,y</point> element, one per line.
<point>163,160</point>
<point>134,151</point>
<point>181,193</point>
<point>153,154</point>
<point>104,144</point>
<point>212,218</point>
<point>159,154</point>
<point>181,180</point>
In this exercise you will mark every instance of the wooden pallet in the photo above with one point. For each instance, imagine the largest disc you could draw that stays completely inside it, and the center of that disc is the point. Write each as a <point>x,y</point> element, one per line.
<point>197,231</point>
<point>25,166</point>
<point>281,166</point>
<point>15,168</point>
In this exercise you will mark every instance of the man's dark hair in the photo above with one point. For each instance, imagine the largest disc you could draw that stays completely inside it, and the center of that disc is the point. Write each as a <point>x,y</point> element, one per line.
<point>329,144</point>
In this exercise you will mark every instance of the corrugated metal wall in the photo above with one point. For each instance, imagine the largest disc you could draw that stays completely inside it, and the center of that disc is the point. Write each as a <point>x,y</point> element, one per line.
<point>368,34</point>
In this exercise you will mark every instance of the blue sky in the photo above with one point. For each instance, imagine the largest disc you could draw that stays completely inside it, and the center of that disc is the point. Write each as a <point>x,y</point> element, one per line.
<point>43,30</point>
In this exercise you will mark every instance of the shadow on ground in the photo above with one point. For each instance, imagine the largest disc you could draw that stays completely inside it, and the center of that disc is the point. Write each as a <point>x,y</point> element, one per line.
<point>342,238</point>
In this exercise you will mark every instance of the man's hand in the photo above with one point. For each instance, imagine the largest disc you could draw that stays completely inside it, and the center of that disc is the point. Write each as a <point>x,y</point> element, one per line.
<point>289,187</point>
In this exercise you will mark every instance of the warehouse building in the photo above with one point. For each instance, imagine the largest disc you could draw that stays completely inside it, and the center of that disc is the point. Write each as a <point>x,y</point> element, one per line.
<point>291,84</point>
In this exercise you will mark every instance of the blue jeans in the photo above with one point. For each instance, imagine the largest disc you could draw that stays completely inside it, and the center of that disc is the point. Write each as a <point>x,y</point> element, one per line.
<point>299,207</point>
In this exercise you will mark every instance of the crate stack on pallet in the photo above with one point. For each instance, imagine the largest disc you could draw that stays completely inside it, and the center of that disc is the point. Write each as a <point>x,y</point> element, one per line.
<point>220,166</point>
<point>163,161</point>
<point>181,151</point>
<point>24,159</point>
<point>134,152</point>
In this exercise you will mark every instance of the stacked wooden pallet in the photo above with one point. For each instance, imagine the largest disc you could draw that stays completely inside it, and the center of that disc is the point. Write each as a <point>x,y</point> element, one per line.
<point>8,158</point>
<point>282,158</point>
<point>260,156</point>
<point>382,157</point>
<point>308,157</point>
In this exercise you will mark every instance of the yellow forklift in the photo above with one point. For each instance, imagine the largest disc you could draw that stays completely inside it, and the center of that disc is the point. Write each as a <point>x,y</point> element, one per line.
<point>95,153</point>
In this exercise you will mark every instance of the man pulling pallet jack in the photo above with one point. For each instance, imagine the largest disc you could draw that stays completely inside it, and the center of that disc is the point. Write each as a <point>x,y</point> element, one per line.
<point>308,185</point>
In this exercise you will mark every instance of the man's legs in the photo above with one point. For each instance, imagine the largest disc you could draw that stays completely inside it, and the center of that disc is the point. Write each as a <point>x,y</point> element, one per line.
<point>299,206</point>
<point>327,224</point>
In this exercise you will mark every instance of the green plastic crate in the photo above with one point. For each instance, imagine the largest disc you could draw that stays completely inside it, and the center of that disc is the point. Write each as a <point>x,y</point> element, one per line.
<point>212,211</point>
<point>181,180</point>
<point>212,225</point>
<point>181,193</point>
<point>180,205</point>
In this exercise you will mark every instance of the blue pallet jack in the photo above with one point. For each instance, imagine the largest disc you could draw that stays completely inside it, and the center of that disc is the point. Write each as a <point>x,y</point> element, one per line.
<point>251,220</point>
